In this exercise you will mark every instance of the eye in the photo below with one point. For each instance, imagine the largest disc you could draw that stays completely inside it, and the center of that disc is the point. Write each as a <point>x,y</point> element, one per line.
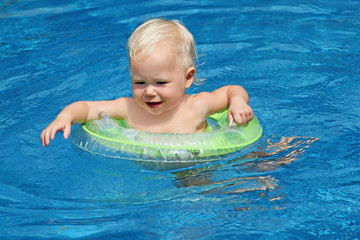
<point>161,82</point>
<point>138,82</point>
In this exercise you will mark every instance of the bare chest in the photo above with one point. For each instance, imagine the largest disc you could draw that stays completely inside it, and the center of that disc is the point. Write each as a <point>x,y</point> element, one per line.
<point>177,123</point>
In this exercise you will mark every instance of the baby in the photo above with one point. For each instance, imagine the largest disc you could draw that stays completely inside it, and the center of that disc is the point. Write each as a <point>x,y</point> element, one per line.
<point>162,55</point>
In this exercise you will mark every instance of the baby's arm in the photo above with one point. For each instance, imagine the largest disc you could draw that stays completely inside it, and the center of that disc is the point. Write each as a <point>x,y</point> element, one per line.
<point>80,112</point>
<point>74,113</point>
<point>233,97</point>
<point>239,109</point>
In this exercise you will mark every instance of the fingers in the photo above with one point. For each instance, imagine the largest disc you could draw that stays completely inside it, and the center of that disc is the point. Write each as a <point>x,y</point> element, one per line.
<point>240,117</point>
<point>231,119</point>
<point>53,131</point>
<point>67,130</point>
<point>49,133</point>
<point>44,138</point>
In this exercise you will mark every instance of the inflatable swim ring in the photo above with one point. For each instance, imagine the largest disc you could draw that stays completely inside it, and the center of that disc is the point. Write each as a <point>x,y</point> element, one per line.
<point>114,138</point>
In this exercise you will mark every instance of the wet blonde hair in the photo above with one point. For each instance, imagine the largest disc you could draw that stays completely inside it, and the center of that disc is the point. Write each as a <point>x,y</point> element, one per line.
<point>154,32</point>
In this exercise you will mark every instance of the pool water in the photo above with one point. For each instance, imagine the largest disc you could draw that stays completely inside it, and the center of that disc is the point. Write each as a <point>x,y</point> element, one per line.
<point>299,62</point>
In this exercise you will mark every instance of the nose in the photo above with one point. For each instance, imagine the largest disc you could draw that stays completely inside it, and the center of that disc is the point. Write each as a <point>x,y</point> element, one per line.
<point>150,90</point>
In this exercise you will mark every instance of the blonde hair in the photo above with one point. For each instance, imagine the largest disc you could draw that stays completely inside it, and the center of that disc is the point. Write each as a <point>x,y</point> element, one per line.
<point>152,33</point>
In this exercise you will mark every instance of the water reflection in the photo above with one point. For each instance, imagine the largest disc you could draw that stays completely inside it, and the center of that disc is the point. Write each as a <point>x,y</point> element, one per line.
<point>215,180</point>
<point>244,178</point>
<point>275,154</point>
<point>243,184</point>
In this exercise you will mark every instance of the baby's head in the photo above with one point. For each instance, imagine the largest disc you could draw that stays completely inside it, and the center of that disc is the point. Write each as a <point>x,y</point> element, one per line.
<point>157,32</point>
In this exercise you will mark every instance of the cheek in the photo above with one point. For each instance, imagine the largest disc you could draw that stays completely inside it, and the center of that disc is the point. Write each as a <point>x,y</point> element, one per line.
<point>136,91</point>
<point>173,94</point>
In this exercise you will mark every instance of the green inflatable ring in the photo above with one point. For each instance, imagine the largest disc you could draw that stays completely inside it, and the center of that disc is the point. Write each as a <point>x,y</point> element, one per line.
<point>114,136</point>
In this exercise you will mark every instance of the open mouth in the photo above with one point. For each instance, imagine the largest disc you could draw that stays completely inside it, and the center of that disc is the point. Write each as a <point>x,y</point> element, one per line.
<point>153,104</point>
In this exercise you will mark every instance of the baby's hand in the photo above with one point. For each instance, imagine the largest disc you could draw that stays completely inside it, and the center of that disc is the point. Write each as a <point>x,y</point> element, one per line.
<point>239,113</point>
<point>57,125</point>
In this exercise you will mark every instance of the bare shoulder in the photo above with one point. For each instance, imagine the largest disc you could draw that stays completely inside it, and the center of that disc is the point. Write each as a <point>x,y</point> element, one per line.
<point>207,98</point>
<point>123,100</point>
<point>199,103</point>
<point>211,102</point>
<point>119,108</point>
<point>200,98</point>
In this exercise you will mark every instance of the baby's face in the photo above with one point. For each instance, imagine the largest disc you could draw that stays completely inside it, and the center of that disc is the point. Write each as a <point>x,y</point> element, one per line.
<point>158,81</point>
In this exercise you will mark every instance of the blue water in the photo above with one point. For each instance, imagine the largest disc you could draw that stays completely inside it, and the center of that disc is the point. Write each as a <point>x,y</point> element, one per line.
<point>300,63</point>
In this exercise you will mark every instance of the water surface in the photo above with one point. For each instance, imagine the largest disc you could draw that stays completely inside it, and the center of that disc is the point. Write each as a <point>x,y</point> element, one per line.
<point>299,61</point>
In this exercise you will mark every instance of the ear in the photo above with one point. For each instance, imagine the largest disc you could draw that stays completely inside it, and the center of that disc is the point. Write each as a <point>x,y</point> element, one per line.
<point>189,76</point>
